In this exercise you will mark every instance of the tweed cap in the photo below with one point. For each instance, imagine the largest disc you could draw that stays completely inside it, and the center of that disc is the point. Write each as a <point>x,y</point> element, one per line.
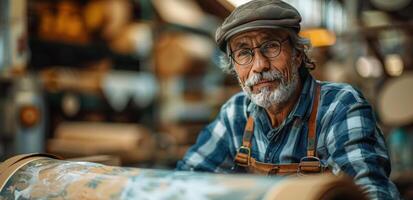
<point>258,14</point>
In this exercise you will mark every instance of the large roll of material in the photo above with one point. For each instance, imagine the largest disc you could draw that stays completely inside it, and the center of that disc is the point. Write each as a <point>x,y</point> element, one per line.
<point>41,176</point>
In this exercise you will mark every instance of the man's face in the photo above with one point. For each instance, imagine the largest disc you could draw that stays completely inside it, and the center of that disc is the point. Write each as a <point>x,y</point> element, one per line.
<point>271,77</point>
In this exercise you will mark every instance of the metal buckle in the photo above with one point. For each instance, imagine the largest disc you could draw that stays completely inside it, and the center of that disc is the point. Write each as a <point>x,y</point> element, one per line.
<point>309,159</point>
<point>245,150</point>
<point>274,171</point>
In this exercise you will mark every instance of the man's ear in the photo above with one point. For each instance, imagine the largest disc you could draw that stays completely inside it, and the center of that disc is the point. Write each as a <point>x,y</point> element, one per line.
<point>298,57</point>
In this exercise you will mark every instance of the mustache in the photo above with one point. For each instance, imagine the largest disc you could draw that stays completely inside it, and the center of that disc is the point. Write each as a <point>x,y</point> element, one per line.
<point>264,76</point>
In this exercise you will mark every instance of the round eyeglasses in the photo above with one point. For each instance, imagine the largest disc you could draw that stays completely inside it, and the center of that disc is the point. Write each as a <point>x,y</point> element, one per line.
<point>270,49</point>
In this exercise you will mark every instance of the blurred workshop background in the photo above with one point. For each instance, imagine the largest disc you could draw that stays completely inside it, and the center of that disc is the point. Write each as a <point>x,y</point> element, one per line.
<point>132,82</point>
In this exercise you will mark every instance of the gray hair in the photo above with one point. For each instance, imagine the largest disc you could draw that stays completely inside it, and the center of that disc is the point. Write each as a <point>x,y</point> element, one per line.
<point>302,45</point>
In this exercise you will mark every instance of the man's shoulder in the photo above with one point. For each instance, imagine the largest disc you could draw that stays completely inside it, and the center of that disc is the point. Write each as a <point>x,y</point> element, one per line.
<point>343,93</point>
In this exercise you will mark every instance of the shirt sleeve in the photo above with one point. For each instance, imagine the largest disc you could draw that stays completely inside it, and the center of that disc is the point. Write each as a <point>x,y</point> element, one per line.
<point>211,151</point>
<point>356,147</point>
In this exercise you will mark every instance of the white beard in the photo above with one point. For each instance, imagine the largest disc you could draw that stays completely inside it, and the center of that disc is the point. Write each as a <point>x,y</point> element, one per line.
<point>279,96</point>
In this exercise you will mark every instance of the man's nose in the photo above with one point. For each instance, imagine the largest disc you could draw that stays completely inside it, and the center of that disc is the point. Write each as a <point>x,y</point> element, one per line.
<point>260,62</point>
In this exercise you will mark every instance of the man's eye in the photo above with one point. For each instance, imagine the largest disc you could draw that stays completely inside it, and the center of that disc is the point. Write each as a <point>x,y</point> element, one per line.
<point>271,45</point>
<point>243,52</point>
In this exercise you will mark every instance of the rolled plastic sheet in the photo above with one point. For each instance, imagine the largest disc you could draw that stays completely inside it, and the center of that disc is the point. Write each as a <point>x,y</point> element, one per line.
<point>42,176</point>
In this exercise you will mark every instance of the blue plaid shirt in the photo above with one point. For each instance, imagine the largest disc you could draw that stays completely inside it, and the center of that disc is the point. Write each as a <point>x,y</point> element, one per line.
<point>348,138</point>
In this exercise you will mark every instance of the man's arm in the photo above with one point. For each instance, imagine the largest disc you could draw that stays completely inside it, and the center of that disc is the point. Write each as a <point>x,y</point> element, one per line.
<point>209,151</point>
<point>214,148</point>
<point>356,146</point>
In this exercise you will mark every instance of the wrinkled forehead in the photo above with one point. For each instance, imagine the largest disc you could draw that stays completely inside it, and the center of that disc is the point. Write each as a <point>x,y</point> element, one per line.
<point>260,35</point>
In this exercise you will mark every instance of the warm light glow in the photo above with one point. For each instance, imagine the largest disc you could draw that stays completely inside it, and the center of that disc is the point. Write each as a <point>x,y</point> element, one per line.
<point>369,67</point>
<point>319,37</point>
<point>29,116</point>
<point>394,65</point>
<point>237,3</point>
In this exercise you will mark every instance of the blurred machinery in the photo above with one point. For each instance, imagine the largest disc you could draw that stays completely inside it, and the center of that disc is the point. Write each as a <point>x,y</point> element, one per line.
<point>22,107</point>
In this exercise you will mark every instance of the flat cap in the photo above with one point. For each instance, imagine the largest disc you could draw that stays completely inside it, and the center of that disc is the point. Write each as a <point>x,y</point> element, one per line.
<point>258,14</point>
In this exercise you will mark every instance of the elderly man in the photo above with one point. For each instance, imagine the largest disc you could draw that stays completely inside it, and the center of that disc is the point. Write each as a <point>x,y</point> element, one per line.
<point>284,121</point>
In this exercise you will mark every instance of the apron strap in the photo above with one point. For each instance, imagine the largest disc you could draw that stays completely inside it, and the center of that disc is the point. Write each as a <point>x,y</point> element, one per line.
<point>243,156</point>
<point>312,124</point>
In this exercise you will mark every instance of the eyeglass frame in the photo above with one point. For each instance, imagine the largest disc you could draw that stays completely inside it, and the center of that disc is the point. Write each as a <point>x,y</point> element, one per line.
<point>252,52</point>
